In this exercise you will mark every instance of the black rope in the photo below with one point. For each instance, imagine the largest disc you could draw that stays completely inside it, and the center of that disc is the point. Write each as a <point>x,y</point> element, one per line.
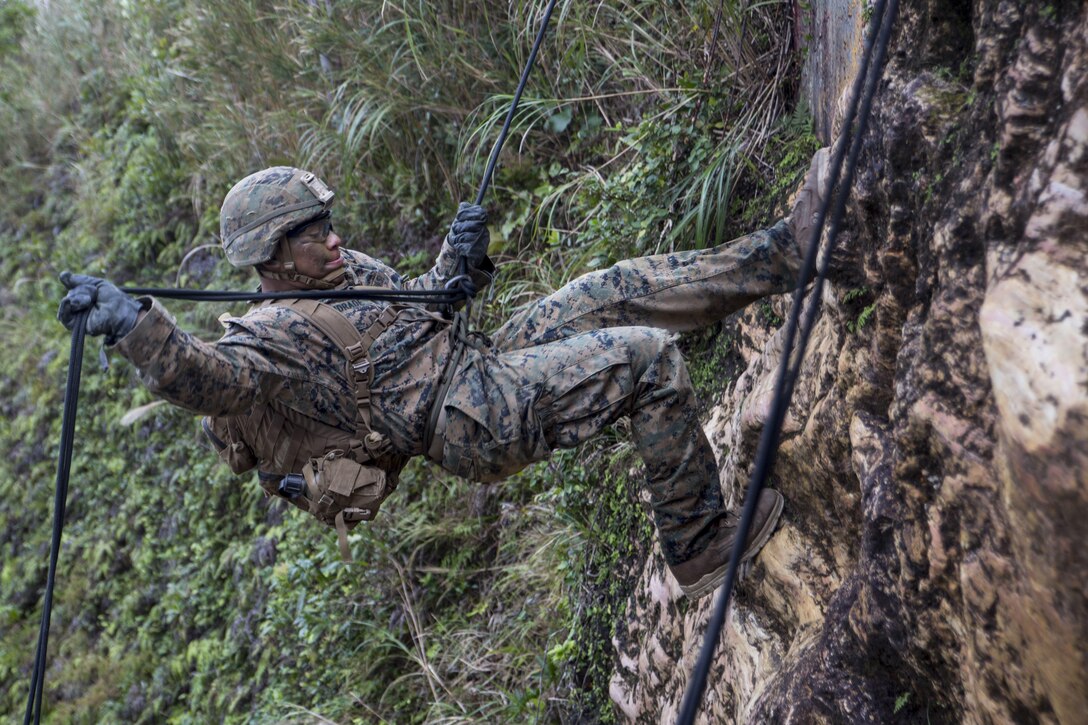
<point>431,296</point>
<point>840,206</point>
<point>869,73</point>
<point>490,170</point>
<point>64,467</point>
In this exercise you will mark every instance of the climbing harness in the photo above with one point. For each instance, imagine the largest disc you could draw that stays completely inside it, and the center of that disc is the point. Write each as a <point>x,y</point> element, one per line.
<point>869,74</point>
<point>457,289</point>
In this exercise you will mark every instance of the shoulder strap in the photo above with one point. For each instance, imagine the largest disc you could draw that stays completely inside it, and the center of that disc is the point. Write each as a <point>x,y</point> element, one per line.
<point>354,344</point>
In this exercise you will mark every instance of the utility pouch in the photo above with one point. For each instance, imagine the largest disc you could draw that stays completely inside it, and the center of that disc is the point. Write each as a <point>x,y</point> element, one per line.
<point>227,441</point>
<point>341,492</point>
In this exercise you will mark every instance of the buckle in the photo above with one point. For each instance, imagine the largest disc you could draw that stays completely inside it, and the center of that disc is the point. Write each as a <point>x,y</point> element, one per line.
<point>355,515</point>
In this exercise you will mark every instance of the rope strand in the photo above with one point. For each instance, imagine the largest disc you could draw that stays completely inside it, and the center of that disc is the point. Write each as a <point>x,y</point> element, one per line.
<point>64,467</point>
<point>878,36</point>
<point>430,296</point>
<point>490,170</point>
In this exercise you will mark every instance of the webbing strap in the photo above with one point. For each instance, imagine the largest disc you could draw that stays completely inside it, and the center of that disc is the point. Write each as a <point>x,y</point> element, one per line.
<point>458,342</point>
<point>342,538</point>
<point>355,346</point>
<point>286,258</point>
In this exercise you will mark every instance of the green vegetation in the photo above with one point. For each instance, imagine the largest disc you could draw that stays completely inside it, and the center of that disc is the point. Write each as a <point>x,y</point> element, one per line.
<point>183,595</point>
<point>854,305</point>
<point>866,314</point>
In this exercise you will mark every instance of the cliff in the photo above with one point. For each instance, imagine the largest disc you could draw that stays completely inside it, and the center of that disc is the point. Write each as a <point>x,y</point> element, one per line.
<point>930,566</point>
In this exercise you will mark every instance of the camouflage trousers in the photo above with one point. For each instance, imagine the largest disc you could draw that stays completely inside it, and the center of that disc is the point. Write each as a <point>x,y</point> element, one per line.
<point>602,347</point>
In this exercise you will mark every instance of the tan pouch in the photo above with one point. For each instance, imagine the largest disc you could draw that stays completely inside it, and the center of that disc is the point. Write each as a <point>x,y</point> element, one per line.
<point>227,441</point>
<point>341,493</point>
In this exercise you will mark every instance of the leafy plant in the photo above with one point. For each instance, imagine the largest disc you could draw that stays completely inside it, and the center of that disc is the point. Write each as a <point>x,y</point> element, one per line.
<point>855,325</point>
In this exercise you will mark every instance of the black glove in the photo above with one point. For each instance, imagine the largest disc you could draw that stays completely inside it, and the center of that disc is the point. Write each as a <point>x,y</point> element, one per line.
<point>112,312</point>
<point>468,233</point>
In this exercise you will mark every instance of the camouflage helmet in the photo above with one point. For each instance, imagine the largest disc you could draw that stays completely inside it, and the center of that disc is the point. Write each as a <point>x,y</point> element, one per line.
<point>261,208</point>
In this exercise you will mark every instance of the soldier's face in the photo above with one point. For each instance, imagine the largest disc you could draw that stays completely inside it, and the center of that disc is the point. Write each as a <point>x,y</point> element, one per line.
<point>316,249</point>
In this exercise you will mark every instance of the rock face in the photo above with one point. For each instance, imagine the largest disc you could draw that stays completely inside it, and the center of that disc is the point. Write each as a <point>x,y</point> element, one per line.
<point>932,561</point>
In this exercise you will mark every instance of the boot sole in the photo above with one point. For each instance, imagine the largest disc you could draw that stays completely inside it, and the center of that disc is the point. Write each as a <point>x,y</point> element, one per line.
<point>709,582</point>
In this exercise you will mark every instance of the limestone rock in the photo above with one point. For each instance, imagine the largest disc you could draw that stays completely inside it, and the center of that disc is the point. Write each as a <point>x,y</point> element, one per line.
<point>931,563</point>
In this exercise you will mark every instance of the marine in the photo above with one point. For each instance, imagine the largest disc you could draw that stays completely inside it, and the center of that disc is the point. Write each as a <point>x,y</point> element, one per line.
<point>328,400</point>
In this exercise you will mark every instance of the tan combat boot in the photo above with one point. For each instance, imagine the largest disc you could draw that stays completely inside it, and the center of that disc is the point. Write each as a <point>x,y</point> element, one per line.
<point>806,208</point>
<point>705,572</point>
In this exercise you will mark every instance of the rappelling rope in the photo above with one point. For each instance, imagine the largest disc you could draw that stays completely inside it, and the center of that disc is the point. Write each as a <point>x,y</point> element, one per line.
<point>489,171</point>
<point>448,295</point>
<point>64,466</point>
<point>869,73</point>
<point>457,289</point>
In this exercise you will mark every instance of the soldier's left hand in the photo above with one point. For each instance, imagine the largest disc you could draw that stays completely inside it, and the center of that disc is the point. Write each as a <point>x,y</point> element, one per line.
<point>112,312</point>
<point>469,234</point>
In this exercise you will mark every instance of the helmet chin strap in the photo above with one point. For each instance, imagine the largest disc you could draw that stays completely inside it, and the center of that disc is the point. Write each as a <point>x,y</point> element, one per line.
<point>330,281</point>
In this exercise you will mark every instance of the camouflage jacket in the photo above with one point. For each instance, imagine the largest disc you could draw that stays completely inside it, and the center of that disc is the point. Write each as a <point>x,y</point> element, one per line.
<point>274,355</point>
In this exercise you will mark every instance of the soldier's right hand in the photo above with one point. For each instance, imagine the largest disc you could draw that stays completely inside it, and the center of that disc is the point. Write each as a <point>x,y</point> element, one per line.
<point>112,312</point>
<point>468,234</point>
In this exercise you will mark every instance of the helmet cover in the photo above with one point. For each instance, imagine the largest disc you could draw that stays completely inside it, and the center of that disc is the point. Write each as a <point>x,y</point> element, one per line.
<point>263,207</point>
